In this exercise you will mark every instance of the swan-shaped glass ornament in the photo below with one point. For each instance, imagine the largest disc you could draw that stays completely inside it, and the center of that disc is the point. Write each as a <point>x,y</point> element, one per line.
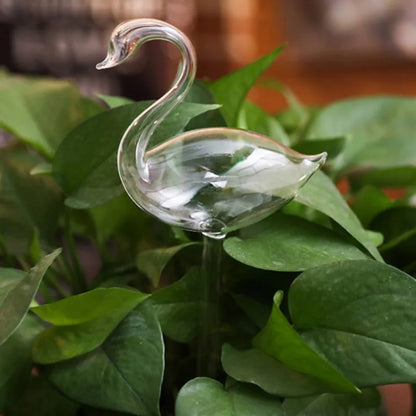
<point>212,180</point>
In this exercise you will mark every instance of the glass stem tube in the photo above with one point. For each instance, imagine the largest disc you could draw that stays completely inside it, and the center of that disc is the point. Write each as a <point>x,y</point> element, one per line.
<point>208,351</point>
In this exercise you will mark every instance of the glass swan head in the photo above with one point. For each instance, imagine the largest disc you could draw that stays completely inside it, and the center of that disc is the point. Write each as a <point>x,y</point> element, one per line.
<point>211,180</point>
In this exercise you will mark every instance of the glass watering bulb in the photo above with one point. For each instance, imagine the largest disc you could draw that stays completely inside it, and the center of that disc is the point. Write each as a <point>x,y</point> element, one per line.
<point>211,180</point>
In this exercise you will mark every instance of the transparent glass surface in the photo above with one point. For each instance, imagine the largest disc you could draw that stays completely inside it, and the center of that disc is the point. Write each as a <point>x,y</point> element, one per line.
<point>208,180</point>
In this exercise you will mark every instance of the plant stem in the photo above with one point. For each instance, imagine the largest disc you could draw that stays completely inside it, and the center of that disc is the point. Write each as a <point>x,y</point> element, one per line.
<point>209,343</point>
<point>80,282</point>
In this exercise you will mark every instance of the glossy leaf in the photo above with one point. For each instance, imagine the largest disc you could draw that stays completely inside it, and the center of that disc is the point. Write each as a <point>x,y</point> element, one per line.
<point>178,307</point>
<point>279,340</point>
<point>381,131</point>
<point>152,262</point>
<point>321,194</point>
<point>18,293</point>
<point>81,322</point>
<point>231,90</point>
<point>92,148</point>
<point>207,397</point>
<point>289,243</point>
<point>271,375</point>
<point>16,362</point>
<point>359,315</point>
<point>368,403</point>
<point>41,112</point>
<point>124,374</point>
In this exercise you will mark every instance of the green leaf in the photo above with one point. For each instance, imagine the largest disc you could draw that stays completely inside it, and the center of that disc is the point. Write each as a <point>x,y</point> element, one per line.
<point>231,90</point>
<point>114,101</point>
<point>280,341</point>
<point>27,203</point>
<point>369,202</point>
<point>207,397</point>
<point>380,131</point>
<point>81,322</point>
<point>289,243</point>
<point>124,374</point>
<point>368,403</point>
<point>85,164</point>
<point>178,307</point>
<point>254,118</point>
<point>321,194</point>
<point>199,93</point>
<point>152,262</point>
<point>18,293</point>
<point>88,306</point>
<point>360,315</point>
<point>41,112</point>
<point>15,360</point>
<point>271,375</point>
<point>332,146</point>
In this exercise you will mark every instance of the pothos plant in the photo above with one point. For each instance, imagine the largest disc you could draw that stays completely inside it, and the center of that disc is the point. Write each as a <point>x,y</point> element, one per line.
<point>99,302</point>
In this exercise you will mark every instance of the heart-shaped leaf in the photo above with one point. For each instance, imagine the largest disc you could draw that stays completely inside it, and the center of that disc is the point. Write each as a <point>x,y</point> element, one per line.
<point>81,322</point>
<point>360,315</point>
<point>178,307</point>
<point>207,397</point>
<point>271,375</point>
<point>380,131</point>
<point>279,340</point>
<point>123,374</point>
<point>41,112</point>
<point>289,243</point>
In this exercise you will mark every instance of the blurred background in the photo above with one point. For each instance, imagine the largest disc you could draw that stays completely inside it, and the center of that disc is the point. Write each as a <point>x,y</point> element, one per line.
<point>335,48</point>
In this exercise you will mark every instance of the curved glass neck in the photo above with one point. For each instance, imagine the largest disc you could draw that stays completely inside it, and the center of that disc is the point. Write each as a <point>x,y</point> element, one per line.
<point>136,140</point>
